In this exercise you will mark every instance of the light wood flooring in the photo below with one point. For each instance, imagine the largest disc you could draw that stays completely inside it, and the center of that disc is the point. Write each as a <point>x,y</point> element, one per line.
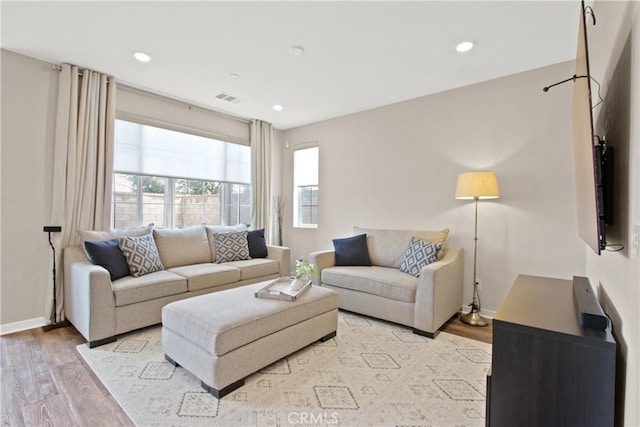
<point>45,382</point>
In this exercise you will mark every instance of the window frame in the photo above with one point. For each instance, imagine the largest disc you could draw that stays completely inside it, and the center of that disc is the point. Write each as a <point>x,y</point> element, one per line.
<point>226,191</point>
<point>297,214</point>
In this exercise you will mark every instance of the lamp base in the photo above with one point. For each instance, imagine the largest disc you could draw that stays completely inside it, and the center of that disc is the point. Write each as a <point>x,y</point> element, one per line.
<point>52,326</point>
<point>473,318</point>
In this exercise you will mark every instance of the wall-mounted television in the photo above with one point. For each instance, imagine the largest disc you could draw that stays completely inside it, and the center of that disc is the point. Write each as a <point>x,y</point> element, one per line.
<point>593,159</point>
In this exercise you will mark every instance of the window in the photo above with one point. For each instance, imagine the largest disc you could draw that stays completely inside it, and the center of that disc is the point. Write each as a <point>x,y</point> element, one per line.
<point>305,181</point>
<point>174,179</point>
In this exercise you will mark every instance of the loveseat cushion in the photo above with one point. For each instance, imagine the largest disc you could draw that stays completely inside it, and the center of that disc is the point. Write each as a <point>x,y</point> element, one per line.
<point>182,246</point>
<point>130,290</point>
<point>387,247</point>
<point>252,268</point>
<point>207,275</point>
<point>383,281</point>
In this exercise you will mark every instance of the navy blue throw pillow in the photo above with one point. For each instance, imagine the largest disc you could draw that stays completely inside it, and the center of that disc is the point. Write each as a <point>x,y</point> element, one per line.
<point>107,254</point>
<point>352,250</point>
<point>257,244</point>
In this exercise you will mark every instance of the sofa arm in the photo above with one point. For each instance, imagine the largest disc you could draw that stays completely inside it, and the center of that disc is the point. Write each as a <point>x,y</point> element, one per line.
<point>282,254</point>
<point>439,291</point>
<point>89,302</point>
<point>322,260</point>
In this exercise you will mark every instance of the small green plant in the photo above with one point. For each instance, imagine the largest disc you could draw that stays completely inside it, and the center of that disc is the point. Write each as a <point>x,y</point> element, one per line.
<point>304,270</point>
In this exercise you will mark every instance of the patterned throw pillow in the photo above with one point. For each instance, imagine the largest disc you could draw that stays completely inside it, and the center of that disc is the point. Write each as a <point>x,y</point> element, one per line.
<point>231,246</point>
<point>141,254</point>
<point>418,254</point>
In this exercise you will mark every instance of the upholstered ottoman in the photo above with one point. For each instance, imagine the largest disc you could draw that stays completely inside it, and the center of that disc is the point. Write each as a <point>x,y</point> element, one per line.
<point>223,337</point>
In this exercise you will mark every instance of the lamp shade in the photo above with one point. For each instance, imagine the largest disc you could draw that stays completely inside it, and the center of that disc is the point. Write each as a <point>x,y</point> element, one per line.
<point>477,185</point>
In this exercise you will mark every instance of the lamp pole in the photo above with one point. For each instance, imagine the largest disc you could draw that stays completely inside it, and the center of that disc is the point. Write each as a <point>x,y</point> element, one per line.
<point>474,318</point>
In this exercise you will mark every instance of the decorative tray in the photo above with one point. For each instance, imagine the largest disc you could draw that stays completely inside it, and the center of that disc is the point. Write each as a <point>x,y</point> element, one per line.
<point>281,289</point>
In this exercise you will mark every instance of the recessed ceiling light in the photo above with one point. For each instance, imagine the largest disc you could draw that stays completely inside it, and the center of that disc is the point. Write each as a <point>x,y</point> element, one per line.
<point>278,107</point>
<point>234,75</point>
<point>465,46</point>
<point>142,57</point>
<point>296,50</point>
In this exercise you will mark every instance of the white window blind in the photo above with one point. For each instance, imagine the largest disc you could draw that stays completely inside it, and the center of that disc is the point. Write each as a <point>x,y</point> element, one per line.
<point>305,163</point>
<point>147,150</point>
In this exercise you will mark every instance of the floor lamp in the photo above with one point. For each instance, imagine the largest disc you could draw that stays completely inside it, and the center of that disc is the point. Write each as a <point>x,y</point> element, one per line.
<point>54,313</point>
<point>476,186</point>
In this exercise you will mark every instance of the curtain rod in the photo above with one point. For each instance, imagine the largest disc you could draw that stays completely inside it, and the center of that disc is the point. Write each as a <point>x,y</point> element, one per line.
<point>186,103</point>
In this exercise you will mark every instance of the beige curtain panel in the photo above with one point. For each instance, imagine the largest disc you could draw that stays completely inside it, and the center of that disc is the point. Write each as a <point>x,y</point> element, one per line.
<point>83,160</point>
<point>261,141</point>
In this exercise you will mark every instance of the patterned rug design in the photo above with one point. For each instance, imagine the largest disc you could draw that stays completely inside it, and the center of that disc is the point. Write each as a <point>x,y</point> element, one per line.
<point>372,373</point>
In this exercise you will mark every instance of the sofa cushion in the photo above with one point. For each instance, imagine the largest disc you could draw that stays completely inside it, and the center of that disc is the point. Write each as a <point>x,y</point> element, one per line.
<point>94,236</point>
<point>182,246</point>
<point>253,268</point>
<point>231,246</point>
<point>383,281</point>
<point>208,275</point>
<point>213,229</point>
<point>141,254</point>
<point>130,290</point>
<point>107,254</point>
<point>257,244</point>
<point>418,254</point>
<point>386,247</point>
<point>352,250</point>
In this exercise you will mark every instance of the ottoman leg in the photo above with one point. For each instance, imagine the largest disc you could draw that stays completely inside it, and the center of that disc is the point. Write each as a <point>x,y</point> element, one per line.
<point>170,360</point>
<point>219,394</point>
<point>328,336</point>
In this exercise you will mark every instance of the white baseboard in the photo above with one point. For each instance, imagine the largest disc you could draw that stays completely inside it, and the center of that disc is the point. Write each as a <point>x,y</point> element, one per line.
<point>23,325</point>
<point>485,313</point>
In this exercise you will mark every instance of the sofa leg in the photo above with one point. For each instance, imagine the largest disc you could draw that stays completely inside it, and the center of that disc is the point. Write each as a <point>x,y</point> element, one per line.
<point>103,341</point>
<point>425,333</point>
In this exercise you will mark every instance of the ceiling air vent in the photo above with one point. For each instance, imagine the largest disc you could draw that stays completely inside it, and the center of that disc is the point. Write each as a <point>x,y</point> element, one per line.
<point>229,98</point>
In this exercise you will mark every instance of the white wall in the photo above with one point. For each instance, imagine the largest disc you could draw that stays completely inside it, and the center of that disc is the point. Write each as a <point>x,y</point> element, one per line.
<point>396,167</point>
<point>29,92</point>
<point>615,62</point>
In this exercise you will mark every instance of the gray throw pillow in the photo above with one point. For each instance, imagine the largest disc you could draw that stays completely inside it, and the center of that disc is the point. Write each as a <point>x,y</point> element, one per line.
<point>141,254</point>
<point>231,246</point>
<point>418,254</point>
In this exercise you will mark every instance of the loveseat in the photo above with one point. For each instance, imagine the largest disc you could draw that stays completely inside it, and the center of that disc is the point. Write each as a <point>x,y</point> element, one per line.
<point>101,308</point>
<point>383,291</point>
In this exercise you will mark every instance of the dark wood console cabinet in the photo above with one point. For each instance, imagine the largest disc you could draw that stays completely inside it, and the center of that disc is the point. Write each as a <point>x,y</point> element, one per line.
<point>546,369</point>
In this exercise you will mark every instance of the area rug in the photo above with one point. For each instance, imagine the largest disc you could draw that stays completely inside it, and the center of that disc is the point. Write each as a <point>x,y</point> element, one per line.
<point>372,373</point>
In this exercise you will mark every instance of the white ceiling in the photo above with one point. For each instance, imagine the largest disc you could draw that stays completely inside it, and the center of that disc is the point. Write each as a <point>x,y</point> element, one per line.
<point>358,55</point>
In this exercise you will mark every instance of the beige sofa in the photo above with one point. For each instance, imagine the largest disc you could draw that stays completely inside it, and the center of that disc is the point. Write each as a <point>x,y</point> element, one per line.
<point>101,309</point>
<point>382,291</point>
